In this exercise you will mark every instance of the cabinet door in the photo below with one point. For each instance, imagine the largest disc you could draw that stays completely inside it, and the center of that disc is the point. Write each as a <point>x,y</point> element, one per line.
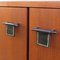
<point>47,19</point>
<point>13,47</point>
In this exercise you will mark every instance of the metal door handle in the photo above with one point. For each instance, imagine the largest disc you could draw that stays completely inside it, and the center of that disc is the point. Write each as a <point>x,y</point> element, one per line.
<point>46,31</point>
<point>10,23</point>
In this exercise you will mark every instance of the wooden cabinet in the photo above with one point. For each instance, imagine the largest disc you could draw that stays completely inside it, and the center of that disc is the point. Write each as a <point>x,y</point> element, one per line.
<point>47,19</point>
<point>27,42</point>
<point>13,47</point>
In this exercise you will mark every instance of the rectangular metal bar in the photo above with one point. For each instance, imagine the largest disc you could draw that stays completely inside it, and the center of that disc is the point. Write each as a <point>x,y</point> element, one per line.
<point>45,31</point>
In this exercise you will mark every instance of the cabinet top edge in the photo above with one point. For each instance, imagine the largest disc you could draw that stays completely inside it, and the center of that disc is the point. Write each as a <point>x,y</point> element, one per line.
<point>30,4</point>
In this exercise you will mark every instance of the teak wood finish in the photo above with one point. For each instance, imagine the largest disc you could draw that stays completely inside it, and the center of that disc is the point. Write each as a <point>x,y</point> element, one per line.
<point>13,48</point>
<point>48,19</point>
<point>23,46</point>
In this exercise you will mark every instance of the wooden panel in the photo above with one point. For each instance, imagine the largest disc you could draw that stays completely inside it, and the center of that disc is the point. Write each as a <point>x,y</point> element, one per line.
<point>31,4</point>
<point>13,48</point>
<point>46,19</point>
